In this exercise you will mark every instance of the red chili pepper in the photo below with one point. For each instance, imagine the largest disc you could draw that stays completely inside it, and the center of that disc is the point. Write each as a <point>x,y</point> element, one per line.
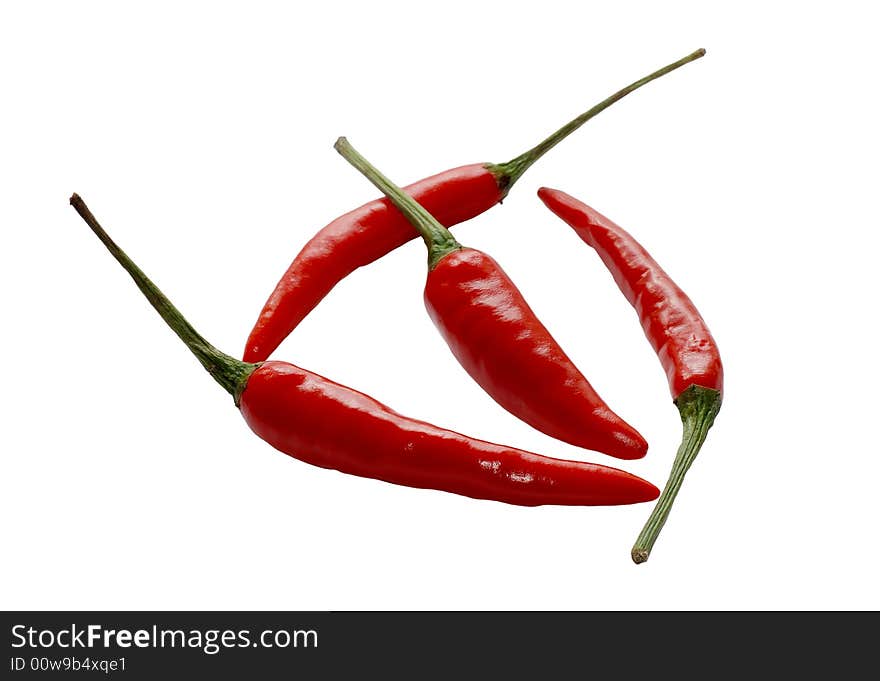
<point>675,330</point>
<point>327,424</point>
<point>499,340</point>
<point>375,229</point>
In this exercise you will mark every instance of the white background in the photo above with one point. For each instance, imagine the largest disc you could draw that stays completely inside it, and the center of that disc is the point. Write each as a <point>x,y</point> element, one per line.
<point>201,136</point>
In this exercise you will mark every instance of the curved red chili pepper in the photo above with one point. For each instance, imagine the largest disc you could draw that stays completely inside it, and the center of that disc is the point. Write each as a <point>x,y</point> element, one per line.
<point>375,229</point>
<point>327,424</point>
<point>502,344</point>
<point>499,340</point>
<point>333,426</point>
<point>675,329</point>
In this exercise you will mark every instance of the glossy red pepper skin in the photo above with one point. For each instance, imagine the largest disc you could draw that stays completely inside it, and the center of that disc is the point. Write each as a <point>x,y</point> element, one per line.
<point>676,331</point>
<point>365,234</point>
<point>327,424</point>
<point>672,324</point>
<point>497,337</point>
<point>359,238</point>
<point>502,344</point>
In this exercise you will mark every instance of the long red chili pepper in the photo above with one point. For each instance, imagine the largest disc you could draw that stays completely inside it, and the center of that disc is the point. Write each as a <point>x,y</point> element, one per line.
<point>499,340</point>
<point>327,424</point>
<point>375,229</point>
<point>675,330</point>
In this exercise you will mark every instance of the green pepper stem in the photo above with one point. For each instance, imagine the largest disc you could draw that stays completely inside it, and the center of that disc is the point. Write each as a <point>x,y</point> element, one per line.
<point>506,174</point>
<point>229,372</point>
<point>698,407</point>
<point>438,239</point>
